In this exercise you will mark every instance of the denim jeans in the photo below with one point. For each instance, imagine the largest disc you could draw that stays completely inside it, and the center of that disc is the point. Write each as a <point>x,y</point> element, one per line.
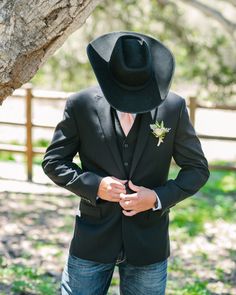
<point>85,277</point>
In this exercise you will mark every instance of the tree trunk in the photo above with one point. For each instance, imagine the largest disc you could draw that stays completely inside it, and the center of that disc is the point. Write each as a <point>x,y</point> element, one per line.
<point>31,31</point>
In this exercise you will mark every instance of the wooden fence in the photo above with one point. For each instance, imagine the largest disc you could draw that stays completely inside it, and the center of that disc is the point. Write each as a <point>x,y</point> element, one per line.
<point>30,151</point>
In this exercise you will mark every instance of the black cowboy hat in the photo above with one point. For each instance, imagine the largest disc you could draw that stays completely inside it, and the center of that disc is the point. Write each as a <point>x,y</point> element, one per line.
<point>134,71</point>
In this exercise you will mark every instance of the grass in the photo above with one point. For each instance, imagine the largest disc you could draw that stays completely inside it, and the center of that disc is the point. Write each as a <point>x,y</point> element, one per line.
<point>42,142</point>
<point>27,280</point>
<point>216,200</point>
<point>221,181</point>
<point>7,156</point>
<point>195,288</point>
<point>11,156</point>
<point>193,213</point>
<point>37,158</point>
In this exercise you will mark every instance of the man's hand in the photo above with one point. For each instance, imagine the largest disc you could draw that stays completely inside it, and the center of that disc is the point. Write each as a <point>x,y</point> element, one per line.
<point>110,189</point>
<point>142,200</point>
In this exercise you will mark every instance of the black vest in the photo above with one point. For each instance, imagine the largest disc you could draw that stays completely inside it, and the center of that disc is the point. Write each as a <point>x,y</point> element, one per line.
<point>126,144</point>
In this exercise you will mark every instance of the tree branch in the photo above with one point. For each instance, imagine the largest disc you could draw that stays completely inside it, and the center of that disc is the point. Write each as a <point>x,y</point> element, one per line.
<point>229,26</point>
<point>232,2</point>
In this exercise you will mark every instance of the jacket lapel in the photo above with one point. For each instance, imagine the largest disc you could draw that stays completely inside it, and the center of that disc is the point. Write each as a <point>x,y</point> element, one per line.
<point>143,134</point>
<point>105,119</point>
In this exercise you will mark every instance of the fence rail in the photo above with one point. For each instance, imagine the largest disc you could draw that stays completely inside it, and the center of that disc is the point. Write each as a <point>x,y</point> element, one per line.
<point>30,151</point>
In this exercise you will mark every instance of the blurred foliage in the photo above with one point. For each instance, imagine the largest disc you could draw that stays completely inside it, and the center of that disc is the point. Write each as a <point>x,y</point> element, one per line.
<point>16,157</point>
<point>7,156</point>
<point>205,54</point>
<point>41,142</point>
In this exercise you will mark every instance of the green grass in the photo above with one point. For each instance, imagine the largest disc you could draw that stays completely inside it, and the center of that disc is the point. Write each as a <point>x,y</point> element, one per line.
<point>196,288</point>
<point>221,181</point>
<point>115,281</point>
<point>44,143</point>
<point>41,142</point>
<point>37,159</point>
<point>27,280</point>
<point>193,213</point>
<point>7,156</point>
<point>215,200</point>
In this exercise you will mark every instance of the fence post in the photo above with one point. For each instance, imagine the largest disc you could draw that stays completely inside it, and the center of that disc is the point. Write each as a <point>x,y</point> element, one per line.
<point>29,144</point>
<point>192,108</point>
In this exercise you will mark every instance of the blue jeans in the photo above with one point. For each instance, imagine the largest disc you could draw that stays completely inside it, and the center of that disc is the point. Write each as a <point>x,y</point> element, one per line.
<point>85,277</point>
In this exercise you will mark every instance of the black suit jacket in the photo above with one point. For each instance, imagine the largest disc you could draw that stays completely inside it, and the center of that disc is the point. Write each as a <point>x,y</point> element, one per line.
<point>101,228</point>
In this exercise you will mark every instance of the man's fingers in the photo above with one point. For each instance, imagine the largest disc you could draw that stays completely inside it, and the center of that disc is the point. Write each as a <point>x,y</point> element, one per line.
<point>133,187</point>
<point>127,205</point>
<point>129,197</point>
<point>118,190</point>
<point>116,195</point>
<point>129,213</point>
<point>119,187</point>
<point>112,189</point>
<point>119,180</point>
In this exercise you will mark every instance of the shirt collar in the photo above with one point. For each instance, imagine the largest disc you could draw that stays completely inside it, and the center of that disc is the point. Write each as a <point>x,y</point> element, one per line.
<point>119,114</point>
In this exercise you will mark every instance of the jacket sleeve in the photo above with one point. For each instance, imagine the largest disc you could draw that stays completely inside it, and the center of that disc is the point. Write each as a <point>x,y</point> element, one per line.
<point>188,155</point>
<point>58,162</point>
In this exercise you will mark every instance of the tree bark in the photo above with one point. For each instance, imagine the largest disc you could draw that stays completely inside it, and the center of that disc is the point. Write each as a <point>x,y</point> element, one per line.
<point>31,31</point>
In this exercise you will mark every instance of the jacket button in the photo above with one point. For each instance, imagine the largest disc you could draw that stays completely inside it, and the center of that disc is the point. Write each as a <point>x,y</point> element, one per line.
<point>126,164</point>
<point>126,145</point>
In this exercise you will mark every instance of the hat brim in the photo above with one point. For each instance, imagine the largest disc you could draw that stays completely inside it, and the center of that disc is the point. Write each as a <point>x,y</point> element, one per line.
<point>139,100</point>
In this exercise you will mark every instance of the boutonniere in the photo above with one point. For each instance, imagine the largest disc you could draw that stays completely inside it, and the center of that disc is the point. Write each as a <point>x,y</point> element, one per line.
<point>159,130</point>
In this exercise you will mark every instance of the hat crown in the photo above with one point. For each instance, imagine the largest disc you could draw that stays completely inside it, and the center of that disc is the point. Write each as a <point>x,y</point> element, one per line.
<point>133,70</point>
<point>130,62</point>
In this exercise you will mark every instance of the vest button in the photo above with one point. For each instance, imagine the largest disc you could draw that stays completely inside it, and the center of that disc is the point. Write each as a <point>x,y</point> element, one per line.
<point>126,164</point>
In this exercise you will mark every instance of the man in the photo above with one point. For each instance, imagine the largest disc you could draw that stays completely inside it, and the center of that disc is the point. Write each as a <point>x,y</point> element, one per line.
<point>126,132</point>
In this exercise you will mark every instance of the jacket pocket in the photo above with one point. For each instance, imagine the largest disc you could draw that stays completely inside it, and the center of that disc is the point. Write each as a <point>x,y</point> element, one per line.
<point>87,209</point>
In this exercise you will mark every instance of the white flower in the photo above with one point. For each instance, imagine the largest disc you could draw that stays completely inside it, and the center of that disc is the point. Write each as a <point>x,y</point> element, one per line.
<point>159,131</point>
